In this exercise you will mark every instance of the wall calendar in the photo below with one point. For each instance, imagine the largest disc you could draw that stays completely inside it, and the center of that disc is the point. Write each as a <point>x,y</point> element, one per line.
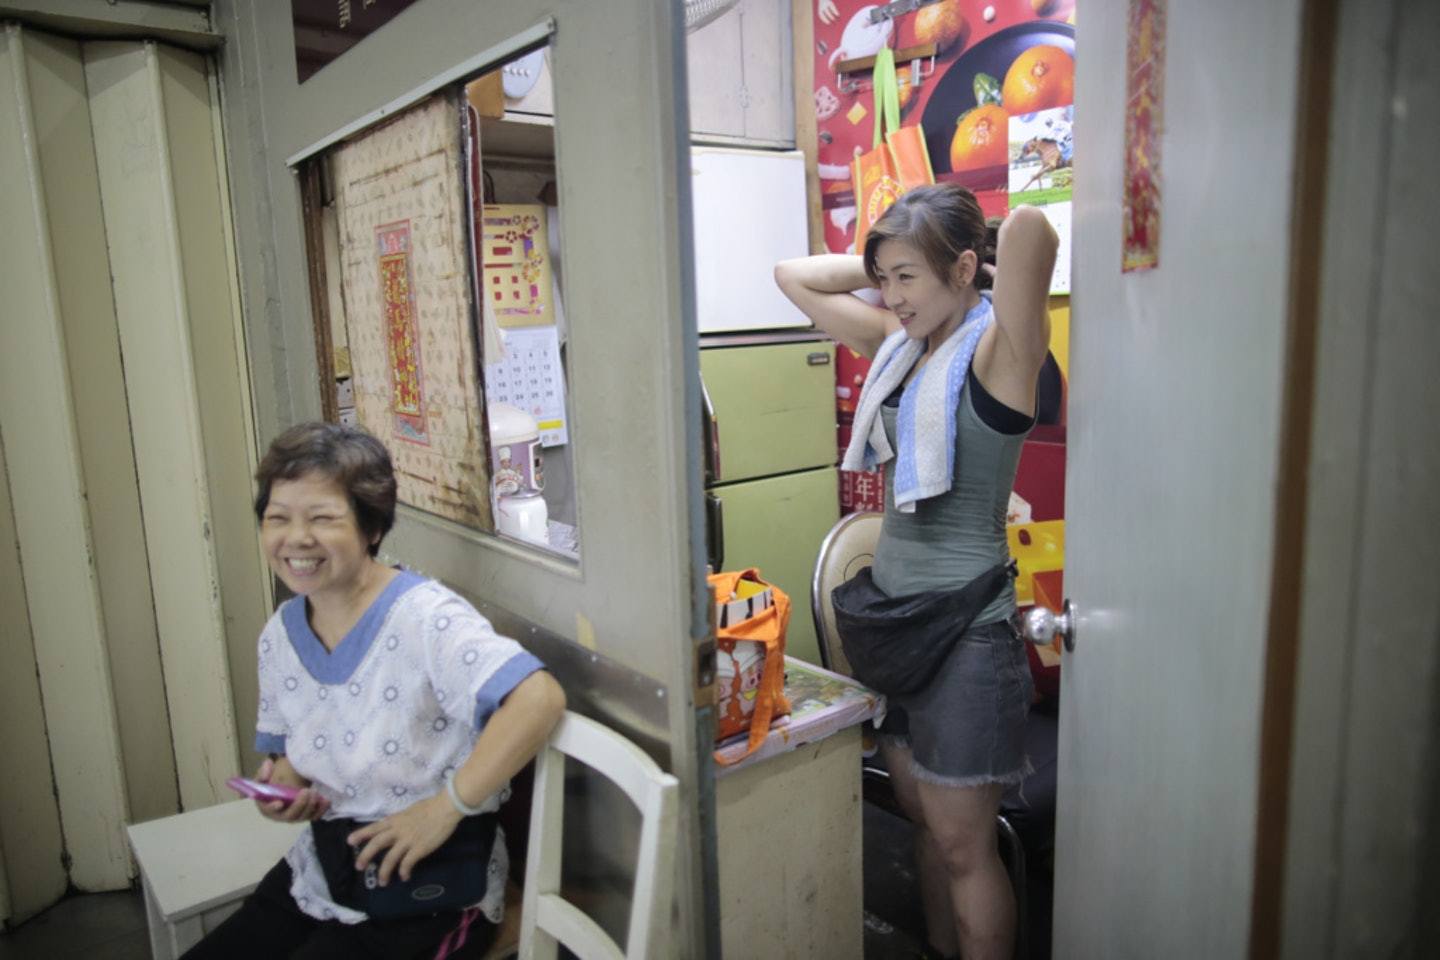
<point>530,377</point>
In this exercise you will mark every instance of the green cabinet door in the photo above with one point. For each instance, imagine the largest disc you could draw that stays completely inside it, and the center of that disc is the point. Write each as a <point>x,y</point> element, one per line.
<point>776,524</point>
<point>774,407</point>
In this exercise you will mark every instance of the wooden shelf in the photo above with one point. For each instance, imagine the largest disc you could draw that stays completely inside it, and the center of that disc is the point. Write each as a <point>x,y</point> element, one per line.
<point>902,57</point>
<point>523,136</point>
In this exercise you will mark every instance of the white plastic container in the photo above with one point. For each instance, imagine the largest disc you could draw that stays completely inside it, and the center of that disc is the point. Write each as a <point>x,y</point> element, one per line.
<point>523,517</point>
<point>517,464</point>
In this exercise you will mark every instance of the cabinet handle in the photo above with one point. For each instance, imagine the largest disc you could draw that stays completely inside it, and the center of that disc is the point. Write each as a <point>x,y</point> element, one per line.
<point>819,358</point>
<point>715,531</point>
<point>712,436</point>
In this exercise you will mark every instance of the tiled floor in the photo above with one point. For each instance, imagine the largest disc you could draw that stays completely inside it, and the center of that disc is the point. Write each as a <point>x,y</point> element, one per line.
<point>105,926</point>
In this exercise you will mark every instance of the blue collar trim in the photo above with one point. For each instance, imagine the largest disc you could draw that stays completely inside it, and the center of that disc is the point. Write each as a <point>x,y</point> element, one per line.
<point>337,666</point>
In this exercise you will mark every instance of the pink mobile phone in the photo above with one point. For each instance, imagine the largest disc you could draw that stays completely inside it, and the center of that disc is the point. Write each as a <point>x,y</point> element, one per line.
<point>265,792</point>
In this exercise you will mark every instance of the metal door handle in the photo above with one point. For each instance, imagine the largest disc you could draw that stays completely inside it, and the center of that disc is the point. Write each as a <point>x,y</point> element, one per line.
<point>711,435</point>
<point>715,531</point>
<point>1041,624</point>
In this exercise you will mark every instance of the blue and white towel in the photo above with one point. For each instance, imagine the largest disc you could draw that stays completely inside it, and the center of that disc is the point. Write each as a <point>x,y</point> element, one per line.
<point>925,427</point>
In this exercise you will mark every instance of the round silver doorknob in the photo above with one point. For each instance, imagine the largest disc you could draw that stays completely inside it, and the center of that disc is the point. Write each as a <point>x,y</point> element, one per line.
<point>1041,624</point>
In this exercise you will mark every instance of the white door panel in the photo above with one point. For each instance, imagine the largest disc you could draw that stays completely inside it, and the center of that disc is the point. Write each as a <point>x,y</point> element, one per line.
<point>1172,460</point>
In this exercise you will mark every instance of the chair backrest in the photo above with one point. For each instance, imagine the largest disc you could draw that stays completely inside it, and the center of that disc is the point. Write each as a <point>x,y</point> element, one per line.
<point>847,549</point>
<point>547,919</point>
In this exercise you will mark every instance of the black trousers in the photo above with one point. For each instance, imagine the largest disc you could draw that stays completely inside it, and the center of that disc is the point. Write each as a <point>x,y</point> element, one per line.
<point>269,926</point>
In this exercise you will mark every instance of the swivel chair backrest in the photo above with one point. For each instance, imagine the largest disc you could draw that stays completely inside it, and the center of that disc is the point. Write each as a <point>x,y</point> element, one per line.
<point>847,549</point>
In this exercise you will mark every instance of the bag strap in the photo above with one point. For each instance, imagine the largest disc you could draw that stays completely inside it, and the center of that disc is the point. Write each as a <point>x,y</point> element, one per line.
<point>723,583</point>
<point>887,95</point>
<point>773,677</point>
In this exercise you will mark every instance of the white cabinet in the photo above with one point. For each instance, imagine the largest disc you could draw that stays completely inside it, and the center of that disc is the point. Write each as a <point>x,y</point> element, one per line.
<point>741,76</point>
<point>749,209</point>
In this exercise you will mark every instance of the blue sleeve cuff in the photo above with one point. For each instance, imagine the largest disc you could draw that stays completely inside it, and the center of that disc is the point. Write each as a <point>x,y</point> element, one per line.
<point>269,742</point>
<point>501,682</point>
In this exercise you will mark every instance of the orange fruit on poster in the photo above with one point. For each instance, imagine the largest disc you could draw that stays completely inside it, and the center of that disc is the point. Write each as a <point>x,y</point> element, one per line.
<point>939,23</point>
<point>981,139</point>
<point>902,81</point>
<point>1040,78</point>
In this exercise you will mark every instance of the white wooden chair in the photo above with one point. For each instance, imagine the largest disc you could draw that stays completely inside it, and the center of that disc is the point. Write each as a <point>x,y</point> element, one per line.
<point>547,919</point>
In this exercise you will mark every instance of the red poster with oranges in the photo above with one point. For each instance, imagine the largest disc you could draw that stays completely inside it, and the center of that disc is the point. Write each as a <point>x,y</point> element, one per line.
<point>983,70</point>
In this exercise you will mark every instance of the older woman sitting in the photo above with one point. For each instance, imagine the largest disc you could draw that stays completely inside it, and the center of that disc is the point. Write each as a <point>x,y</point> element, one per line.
<point>393,706</point>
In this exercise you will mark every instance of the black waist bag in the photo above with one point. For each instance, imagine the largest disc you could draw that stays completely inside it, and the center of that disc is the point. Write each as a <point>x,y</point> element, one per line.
<point>896,644</point>
<point>453,876</point>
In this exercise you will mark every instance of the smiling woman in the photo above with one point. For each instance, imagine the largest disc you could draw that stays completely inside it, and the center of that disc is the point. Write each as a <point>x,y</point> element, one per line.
<point>948,401</point>
<point>326,499</point>
<point>395,711</point>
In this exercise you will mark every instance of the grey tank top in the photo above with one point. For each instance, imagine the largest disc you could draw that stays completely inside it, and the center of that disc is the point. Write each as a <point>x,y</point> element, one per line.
<point>954,537</point>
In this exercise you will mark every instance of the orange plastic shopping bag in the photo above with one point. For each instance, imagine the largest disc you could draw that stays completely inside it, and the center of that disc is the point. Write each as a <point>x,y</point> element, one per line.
<point>910,157</point>
<point>751,618</point>
<point>898,159</point>
<point>873,172</point>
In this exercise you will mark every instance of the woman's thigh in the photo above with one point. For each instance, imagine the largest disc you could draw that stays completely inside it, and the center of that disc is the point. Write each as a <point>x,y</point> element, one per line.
<point>899,764</point>
<point>958,821</point>
<point>414,938</point>
<point>267,924</point>
<point>961,820</point>
<point>409,939</point>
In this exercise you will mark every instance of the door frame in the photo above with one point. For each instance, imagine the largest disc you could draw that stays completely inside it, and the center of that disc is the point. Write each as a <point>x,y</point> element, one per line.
<point>1346,858</point>
<point>1297,411</point>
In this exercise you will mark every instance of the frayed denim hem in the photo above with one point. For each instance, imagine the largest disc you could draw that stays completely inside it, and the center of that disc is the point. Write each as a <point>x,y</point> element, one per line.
<point>927,775</point>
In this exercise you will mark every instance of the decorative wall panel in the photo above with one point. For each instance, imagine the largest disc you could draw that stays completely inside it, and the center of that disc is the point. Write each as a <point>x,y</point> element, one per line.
<point>408,310</point>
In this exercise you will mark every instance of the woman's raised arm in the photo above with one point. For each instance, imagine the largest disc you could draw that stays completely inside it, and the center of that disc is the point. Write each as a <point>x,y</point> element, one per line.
<point>823,288</point>
<point>1024,262</point>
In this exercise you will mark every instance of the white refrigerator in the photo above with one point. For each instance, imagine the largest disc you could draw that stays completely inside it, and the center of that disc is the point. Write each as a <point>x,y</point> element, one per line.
<point>749,213</point>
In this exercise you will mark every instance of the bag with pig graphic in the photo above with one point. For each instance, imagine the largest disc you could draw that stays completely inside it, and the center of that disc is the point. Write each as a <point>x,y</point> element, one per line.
<point>751,617</point>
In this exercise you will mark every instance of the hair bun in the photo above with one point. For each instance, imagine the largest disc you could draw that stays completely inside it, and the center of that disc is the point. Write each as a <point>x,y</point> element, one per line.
<point>987,252</point>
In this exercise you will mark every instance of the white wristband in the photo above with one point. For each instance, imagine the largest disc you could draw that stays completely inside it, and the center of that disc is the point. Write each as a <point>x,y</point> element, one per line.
<point>465,809</point>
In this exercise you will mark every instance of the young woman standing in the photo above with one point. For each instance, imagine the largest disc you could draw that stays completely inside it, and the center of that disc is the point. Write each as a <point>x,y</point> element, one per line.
<point>951,441</point>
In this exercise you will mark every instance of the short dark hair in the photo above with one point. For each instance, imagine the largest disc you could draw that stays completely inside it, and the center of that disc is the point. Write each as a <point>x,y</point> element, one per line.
<point>941,221</point>
<point>354,459</point>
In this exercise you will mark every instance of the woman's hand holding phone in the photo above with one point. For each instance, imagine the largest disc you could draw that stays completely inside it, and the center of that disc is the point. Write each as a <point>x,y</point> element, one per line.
<point>307,803</point>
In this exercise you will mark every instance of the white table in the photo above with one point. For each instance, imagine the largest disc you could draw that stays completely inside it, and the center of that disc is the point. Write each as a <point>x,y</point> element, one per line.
<point>197,867</point>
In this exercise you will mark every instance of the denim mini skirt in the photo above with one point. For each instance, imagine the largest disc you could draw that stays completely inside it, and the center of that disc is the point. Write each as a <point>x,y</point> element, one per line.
<point>967,726</point>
